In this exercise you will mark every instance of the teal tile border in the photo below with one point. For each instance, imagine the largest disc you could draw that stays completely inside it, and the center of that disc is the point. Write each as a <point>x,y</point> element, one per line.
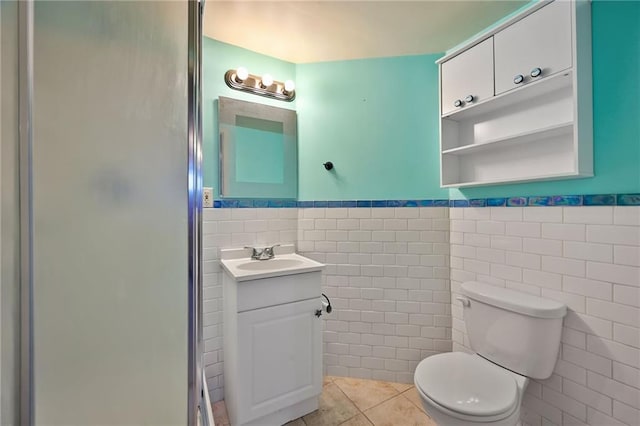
<point>532,201</point>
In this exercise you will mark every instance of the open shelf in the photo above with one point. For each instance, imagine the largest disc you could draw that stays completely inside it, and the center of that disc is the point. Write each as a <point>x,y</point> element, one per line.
<point>507,160</point>
<point>568,175</point>
<point>524,137</point>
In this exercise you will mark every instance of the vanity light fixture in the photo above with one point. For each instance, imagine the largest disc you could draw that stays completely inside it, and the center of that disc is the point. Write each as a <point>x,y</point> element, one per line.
<point>240,79</point>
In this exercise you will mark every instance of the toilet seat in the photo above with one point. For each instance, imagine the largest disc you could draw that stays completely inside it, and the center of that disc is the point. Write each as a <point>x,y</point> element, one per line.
<point>467,419</point>
<point>468,386</point>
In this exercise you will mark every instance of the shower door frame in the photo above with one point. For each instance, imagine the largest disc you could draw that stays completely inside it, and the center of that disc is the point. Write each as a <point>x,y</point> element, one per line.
<point>25,67</point>
<point>195,383</point>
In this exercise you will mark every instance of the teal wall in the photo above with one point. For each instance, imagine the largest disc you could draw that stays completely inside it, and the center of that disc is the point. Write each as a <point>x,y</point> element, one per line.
<point>217,59</point>
<point>377,121</point>
<point>616,111</point>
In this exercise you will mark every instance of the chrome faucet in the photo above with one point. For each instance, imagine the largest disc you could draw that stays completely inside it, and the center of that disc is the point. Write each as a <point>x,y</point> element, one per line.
<point>262,254</point>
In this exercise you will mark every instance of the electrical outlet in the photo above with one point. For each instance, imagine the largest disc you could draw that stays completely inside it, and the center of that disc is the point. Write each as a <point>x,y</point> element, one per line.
<point>207,197</point>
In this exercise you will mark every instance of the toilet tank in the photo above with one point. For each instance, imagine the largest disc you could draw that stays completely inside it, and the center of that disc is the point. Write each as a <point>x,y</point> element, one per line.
<point>515,330</point>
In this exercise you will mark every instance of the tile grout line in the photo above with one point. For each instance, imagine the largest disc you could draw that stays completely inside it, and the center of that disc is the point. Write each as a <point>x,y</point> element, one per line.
<point>398,393</point>
<point>373,406</point>
<point>419,407</point>
<point>349,399</point>
<point>369,408</point>
<point>381,402</point>
<point>367,417</point>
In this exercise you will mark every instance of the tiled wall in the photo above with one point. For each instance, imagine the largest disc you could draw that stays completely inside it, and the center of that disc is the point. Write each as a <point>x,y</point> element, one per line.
<point>227,228</point>
<point>587,257</point>
<point>387,276</point>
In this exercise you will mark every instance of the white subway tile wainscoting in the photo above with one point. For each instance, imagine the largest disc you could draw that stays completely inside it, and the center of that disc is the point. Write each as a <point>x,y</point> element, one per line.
<point>393,274</point>
<point>586,257</point>
<point>387,275</point>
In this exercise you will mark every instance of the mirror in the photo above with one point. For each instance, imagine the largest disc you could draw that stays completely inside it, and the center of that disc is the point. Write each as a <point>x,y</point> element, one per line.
<point>258,150</point>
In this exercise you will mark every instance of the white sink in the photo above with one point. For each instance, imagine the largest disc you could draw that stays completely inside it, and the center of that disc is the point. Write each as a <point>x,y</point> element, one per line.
<point>270,265</point>
<point>243,269</point>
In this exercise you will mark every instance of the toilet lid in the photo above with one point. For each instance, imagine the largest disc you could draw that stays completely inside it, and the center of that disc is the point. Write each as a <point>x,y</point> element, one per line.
<point>467,384</point>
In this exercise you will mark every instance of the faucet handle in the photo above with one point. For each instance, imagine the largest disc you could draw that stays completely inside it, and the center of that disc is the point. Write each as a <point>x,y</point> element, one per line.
<point>269,250</point>
<point>254,251</point>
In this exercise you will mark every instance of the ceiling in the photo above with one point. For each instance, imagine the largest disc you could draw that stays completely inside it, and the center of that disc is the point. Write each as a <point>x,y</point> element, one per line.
<point>318,31</point>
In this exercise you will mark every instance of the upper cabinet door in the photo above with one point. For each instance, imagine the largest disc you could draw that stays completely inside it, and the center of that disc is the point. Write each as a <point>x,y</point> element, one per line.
<point>468,77</point>
<point>534,47</point>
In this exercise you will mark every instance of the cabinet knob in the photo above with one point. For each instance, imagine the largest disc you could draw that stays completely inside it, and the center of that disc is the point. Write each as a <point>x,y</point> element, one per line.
<point>536,72</point>
<point>518,79</point>
<point>457,103</point>
<point>469,99</point>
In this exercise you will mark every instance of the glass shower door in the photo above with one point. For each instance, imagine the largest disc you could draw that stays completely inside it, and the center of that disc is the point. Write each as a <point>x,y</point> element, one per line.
<point>112,206</point>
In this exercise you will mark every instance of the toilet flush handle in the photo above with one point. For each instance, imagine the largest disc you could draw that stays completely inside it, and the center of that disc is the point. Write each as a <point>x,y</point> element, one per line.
<point>465,302</point>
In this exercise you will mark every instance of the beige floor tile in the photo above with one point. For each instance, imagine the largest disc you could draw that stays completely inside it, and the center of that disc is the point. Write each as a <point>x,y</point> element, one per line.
<point>334,409</point>
<point>220,416</point>
<point>401,387</point>
<point>327,380</point>
<point>413,396</point>
<point>398,411</point>
<point>359,420</point>
<point>366,393</point>
<point>296,422</point>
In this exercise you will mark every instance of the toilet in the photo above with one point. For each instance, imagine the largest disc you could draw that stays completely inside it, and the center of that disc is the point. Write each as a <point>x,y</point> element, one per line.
<point>515,336</point>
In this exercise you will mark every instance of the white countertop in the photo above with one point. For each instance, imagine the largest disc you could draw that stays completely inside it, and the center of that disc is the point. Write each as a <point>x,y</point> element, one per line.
<point>285,262</point>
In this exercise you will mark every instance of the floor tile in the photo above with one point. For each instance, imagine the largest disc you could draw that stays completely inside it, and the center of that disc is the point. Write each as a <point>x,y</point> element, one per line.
<point>366,393</point>
<point>401,387</point>
<point>359,420</point>
<point>335,408</point>
<point>413,396</point>
<point>220,416</point>
<point>296,422</point>
<point>327,380</point>
<point>398,411</point>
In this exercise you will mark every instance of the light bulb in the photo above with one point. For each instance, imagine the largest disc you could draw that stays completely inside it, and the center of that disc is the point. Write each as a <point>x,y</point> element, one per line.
<point>289,86</point>
<point>267,80</point>
<point>242,74</point>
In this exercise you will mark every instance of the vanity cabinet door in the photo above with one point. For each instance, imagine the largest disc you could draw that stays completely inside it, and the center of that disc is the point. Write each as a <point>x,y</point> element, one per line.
<point>541,41</point>
<point>280,357</point>
<point>467,78</point>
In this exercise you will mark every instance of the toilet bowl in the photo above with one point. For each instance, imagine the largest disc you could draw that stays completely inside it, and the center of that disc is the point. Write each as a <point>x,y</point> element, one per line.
<point>460,389</point>
<point>515,336</point>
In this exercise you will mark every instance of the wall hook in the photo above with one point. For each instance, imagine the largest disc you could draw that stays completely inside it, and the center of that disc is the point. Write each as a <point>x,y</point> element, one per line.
<point>328,165</point>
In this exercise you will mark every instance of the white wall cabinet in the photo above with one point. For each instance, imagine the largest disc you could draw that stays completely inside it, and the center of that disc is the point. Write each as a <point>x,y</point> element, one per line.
<point>536,129</point>
<point>459,88</point>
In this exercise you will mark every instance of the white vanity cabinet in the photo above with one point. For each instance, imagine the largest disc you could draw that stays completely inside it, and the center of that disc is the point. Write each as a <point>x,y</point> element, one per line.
<point>467,78</point>
<point>540,41</point>
<point>272,340</point>
<point>279,349</point>
<point>540,128</point>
